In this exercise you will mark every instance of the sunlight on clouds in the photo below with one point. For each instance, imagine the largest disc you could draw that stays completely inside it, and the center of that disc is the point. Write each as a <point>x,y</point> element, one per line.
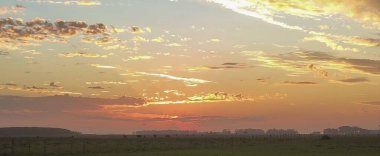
<point>303,61</point>
<point>120,113</point>
<point>331,43</point>
<point>364,11</point>
<point>191,82</point>
<point>103,66</point>
<point>250,8</point>
<point>37,90</point>
<point>69,2</point>
<point>136,58</point>
<point>83,54</point>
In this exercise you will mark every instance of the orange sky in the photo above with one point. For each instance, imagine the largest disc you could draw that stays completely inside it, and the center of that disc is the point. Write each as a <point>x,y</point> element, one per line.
<point>118,66</point>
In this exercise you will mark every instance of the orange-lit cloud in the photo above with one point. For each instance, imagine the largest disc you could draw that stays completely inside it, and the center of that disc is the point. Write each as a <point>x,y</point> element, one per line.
<point>51,90</point>
<point>227,65</point>
<point>300,61</point>
<point>18,32</point>
<point>136,58</point>
<point>83,54</point>
<point>192,82</point>
<point>103,66</point>
<point>300,83</point>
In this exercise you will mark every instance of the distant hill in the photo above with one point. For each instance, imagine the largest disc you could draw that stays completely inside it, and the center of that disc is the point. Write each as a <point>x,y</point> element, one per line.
<point>36,132</point>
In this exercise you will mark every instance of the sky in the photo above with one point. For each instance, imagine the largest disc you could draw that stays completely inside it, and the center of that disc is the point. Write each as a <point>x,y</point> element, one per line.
<point>119,66</point>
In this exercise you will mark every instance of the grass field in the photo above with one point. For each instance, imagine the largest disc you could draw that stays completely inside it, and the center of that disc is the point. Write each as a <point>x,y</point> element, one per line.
<point>193,145</point>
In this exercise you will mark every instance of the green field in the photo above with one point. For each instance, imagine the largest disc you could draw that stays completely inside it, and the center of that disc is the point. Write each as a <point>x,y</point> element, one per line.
<point>193,145</point>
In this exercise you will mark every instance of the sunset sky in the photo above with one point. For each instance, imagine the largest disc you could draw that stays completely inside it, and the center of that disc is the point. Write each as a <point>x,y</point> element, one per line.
<point>117,66</point>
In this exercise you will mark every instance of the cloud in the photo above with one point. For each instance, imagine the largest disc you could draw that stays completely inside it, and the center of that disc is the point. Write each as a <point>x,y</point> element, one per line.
<point>20,33</point>
<point>366,12</point>
<point>331,43</point>
<point>198,98</point>
<point>103,66</point>
<point>354,80</point>
<point>251,8</point>
<point>4,53</point>
<point>83,54</point>
<point>69,2</point>
<point>192,82</point>
<point>54,89</point>
<point>138,30</point>
<point>228,65</point>
<point>336,42</point>
<point>107,83</point>
<point>61,103</point>
<point>301,60</point>
<point>11,10</point>
<point>54,85</point>
<point>95,87</point>
<point>318,70</point>
<point>300,83</point>
<point>136,58</point>
<point>114,112</point>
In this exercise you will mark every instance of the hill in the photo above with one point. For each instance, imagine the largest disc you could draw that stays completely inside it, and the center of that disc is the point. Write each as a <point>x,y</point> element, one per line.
<point>36,132</point>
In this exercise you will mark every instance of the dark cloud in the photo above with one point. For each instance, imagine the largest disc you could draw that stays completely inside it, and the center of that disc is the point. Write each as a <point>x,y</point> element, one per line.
<point>364,65</point>
<point>10,84</point>
<point>313,60</point>
<point>61,103</point>
<point>318,70</point>
<point>54,89</point>
<point>355,80</point>
<point>229,65</point>
<point>263,80</point>
<point>17,31</point>
<point>54,84</point>
<point>96,87</point>
<point>300,82</point>
<point>135,29</point>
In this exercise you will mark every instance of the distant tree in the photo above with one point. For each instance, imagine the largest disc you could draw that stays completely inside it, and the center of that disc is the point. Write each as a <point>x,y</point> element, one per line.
<point>325,137</point>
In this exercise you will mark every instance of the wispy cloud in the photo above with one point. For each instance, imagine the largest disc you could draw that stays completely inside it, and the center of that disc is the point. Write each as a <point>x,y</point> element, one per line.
<point>136,58</point>
<point>68,2</point>
<point>188,81</point>
<point>83,54</point>
<point>227,65</point>
<point>103,66</point>
<point>365,12</point>
<point>300,61</point>
<point>53,90</point>
<point>353,81</point>
<point>251,8</point>
<point>300,83</point>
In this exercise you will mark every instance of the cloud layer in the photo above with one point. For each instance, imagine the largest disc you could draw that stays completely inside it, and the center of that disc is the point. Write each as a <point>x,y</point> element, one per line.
<point>17,32</point>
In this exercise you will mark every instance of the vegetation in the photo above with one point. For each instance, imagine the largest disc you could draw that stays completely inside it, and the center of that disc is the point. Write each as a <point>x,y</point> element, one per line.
<point>217,145</point>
